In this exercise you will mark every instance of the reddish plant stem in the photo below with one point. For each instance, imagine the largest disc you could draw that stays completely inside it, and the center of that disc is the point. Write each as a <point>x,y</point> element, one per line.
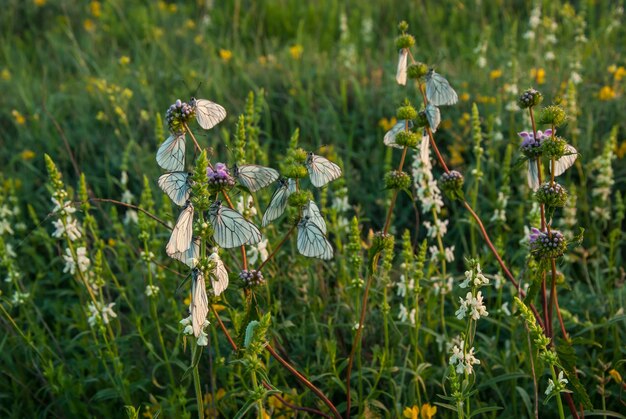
<point>291,369</point>
<point>277,248</point>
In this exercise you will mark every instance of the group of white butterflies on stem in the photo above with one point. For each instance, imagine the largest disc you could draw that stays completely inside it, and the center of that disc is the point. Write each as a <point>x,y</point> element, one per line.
<point>230,228</point>
<point>440,93</point>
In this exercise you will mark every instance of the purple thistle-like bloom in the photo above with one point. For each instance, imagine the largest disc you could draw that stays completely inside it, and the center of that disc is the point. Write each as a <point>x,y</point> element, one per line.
<point>219,176</point>
<point>535,233</point>
<point>528,138</point>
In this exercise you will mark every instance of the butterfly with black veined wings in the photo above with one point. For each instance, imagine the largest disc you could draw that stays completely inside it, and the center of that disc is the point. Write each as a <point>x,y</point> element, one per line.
<point>311,240</point>
<point>566,161</point>
<point>279,200</point>
<point>313,213</point>
<point>403,56</point>
<point>321,170</point>
<point>438,90</point>
<point>190,256</point>
<point>219,275</point>
<point>199,306</point>
<point>433,115</point>
<point>208,114</point>
<point>180,240</point>
<point>425,149</point>
<point>230,228</point>
<point>171,154</point>
<point>177,186</point>
<point>390,136</point>
<point>533,174</point>
<point>254,177</point>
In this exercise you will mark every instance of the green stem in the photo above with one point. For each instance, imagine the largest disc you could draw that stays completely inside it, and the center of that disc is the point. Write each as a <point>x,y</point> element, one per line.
<point>559,402</point>
<point>196,382</point>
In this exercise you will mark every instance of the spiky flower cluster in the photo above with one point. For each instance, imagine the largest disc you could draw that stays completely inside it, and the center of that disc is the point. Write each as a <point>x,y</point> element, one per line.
<point>547,245</point>
<point>219,177</point>
<point>554,149</point>
<point>397,179</point>
<point>551,195</point>
<point>452,184</point>
<point>529,98</point>
<point>531,146</point>
<point>252,277</point>
<point>177,114</point>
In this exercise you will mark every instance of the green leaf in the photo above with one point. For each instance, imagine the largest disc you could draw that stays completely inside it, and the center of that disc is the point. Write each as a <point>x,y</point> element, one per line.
<point>244,409</point>
<point>567,360</point>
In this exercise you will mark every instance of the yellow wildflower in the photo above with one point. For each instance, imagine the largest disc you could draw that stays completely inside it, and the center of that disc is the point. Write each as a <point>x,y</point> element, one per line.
<point>19,118</point>
<point>95,8</point>
<point>162,5</point>
<point>411,412</point>
<point>27,155</point>
<point>219,307</point>
<point>144,115</point>
<point>606,93</point>
<point>5,74</point>
<point>172,8</point>
<point>187,301</point>
<point>296,51</point>
<point>198,39</point>
<point>157,32</point>
<point>428,411</point>
<point>101,116</point>
<point>111,242</point>
<point>446,124</point>
<point>262,60</point>
<point>190,24</point>
<point>209,409</point>
<point>39,3</point>
<point>612,69</point>
<point>89,25</point>
<point>621,150</point>
<point>616,376</point>
<point>465,96</point>
<point>226,55</point>
<point>539,74</point>
<point>127,93</point>
<point>619,73</point>
<point>464,119</point>
<point>495,74</point>
<point>387,124</point>
<point>456,158</point>
<point>124,60</point>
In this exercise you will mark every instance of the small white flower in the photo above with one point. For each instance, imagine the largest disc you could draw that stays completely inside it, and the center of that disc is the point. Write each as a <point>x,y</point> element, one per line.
<point>203,339</point>
<point>70,229</point>
<point>449,253</point>
<point>403,314</point>
<point>100,312</point>
<point>127,197</point>
<point>152,290</point>
<point>248,209</point>
<point>478,308</point>
<point>19,298</point>
<point>340,202</point>
<point>550,56</point>
<point>5,211</point>
<point>505,308</point>
<point>5,227</point>
<point>258,250</point>
<point>70,265</point>
<point>550,387</point>
<point>481,62</point>
<point>131,217</point>
<point>82,259</point>
<point>575,78</point>
<point>65,208</point>
<point>401,287</point>
<point>124,178</point>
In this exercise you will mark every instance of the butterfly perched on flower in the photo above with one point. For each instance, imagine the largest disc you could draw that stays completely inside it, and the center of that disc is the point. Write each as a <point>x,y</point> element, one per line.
<point>254,177</point>
<point>176,185</point>
<point>390,136</point>
<point>321,170</point>
<point>438,90</point>
<point>401,72</point>
<point>171,154</point>
<point>180,240</point>
<point>199,306</point>
<point>279,201</point>
<point>208,114</point>
<point>219,275</point>
<point>311,240</point>
<point>230,228</point>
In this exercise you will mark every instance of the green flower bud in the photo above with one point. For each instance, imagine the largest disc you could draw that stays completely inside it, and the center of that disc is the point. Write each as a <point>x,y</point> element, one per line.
<point>397,180</point>
<point>403,26</point>
<point>551,195</point>
<point>529,98</point>
<point>422,120</point>
<point>407,139</point>
<point>300,198</point>
<point>293,170</point>
<point>552,115</point>
<point>380,241</point>
<point>417,70</point>
<point>545,245</point>
<point>406,112</point>
<point>554,148</point>
<point>452,184</point>
<point>405,41</point>
<point>300,155</point>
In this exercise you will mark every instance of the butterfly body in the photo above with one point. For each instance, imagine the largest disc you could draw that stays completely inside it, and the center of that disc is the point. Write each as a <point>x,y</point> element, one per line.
<point>311,240</point>
<point>230,228</point>
<point>321,170</point>
<point>208,114</point>
<point>254,177</point>
<point>438,90</point>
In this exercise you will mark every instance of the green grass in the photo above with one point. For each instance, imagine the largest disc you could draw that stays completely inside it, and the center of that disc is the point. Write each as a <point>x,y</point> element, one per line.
<point>64,72</point>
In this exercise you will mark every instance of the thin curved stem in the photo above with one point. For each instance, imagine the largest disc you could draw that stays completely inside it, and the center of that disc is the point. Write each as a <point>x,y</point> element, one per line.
<point>277,248</point>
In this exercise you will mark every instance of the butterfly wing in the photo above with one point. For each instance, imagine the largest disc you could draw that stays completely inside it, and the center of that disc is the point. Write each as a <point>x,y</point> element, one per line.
<point>566,161</point>
<point>255,177</point>
<point>176,186</point>
<point>209,114</point>
<point>533,175</point>
<point>190,256</point>
<point>433,115</point>
<point>230,228</point>
<point>312,242</point>
<point>402,66</point>
<point>279,201</point>
<point>321,170</point>
<point>199,307</point>
<point>219,277</point>
<point>390,136</point>
<point>438,90</point>
<point>313,213</point>
<point>425,149</point>
<point>180,240</point>
<point>171,155</point>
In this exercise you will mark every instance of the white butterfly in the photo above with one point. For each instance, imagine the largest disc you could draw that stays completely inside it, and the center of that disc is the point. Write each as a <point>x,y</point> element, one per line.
<point>402,66</point>
<point>433,115</point>
<point>311,240</point>
<point>199,306</point>
<point>171,154</point>
<point>390,136</point>
<point>438,90</point>
<point>425,149</point>
<point>219,276</point>
<point>312,212</point>
<point>279,201</point>
<point>208,114</point>
<point>180,240</point>
<point>533,174</point>
<point>230,228</point>
<point>190,256</point>
<point>177,186</point>
<point>321,170</point>
<point>566,161</point>
<point>254,177</point>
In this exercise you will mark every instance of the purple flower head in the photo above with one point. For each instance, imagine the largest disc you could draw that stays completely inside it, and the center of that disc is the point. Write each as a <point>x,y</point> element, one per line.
<point>535,233</point>
<point>219,176</point>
